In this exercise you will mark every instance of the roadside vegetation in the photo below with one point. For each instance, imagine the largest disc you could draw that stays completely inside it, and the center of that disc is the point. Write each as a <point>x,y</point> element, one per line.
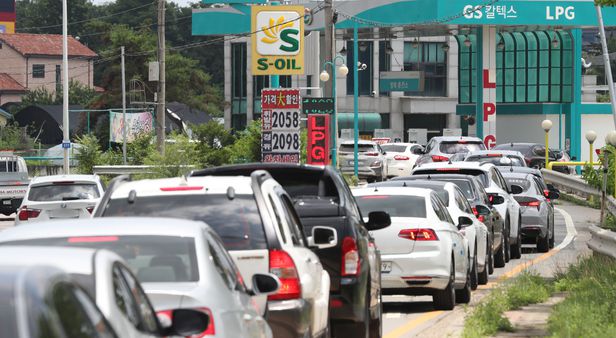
<point>487,318</point>
<point>588,310</point>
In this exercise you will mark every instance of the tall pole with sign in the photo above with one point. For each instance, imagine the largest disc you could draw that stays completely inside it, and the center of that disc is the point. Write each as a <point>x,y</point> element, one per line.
<point>66,143</point>
<point>355,103</point>
<point>488,64</point>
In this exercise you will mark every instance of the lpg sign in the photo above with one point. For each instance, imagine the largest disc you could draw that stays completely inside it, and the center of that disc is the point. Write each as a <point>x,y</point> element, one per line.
<point>317,148</point>
<point>278,45</point>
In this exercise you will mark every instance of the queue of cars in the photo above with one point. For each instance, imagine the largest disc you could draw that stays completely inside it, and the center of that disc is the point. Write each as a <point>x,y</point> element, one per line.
<point>272,250</point>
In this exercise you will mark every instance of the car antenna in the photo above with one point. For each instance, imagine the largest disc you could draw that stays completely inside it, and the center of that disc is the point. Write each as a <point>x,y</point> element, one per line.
<point>404,184</point>
<point>429,177</point>
<point>132,195</point>
<point>230,193</point>
<point>376,189</point>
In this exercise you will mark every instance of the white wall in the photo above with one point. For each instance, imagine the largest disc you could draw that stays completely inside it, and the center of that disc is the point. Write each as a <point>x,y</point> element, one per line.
<point>527,128</point>
<point>601,124</point>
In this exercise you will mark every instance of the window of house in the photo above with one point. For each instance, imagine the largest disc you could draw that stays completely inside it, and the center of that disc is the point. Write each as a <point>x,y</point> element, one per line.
<point>431,59</point>
<point>38,71</point>
<point>238,85</point>
<point>365,76</point>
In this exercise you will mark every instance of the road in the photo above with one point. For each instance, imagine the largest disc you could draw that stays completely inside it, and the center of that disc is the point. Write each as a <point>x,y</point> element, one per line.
<point>415,317</point>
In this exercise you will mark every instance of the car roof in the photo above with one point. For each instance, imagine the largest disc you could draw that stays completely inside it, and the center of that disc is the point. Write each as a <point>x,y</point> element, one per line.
<point>56,178</point>
<point>439,177</point>
<point>71,260</point>
<point>430,184</point>
<point>405,191</point>
<point>401,144</point>
<point>456,138</point>
<point>105,226</point>
<point>516,175</point>
<point>495,151</point>
<point>514,169</point>
<point>510,144</point>
<point>346,142</point>
<point>185,186</point>
<point>462,165</point>
<point>246,169</point>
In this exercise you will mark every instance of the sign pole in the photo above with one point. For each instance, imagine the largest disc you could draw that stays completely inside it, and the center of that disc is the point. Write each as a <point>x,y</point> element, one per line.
<point>274,79</point>
<point>123,107</point>
<point>355,102</point>
<point>606,62</point>
<point>65,88</point>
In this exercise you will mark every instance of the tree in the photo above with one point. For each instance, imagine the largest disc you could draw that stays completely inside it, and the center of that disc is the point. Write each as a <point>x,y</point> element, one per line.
<point>605,2</point>
<point>247,148</point>
<point>213,142</point>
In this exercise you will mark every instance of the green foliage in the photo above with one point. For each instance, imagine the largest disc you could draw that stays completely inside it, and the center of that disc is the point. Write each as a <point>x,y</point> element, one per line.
<point>14,137</point>
<point>180,154</point>
<point>212,145</point>
<point>247,147</point>
<point>89,154</point>
<point>605,2</point>
<point>594,176</point>
<point>487,317</point>
<point>78,94</point>
<point>38,96</point>
<point>140,148</point>
<point>588,310</point>
<point>351,180</point>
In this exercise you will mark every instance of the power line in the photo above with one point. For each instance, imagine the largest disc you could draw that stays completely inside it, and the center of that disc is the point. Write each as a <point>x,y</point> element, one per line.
<point>137,27</point>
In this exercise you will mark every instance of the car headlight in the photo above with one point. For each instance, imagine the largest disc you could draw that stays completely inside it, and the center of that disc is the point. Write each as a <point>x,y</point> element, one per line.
<point>375,164</point>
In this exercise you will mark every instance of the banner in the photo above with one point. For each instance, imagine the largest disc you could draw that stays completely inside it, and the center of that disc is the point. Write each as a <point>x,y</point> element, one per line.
<point>317,148</point>
<point>280,125</point>
<point>136,124</point>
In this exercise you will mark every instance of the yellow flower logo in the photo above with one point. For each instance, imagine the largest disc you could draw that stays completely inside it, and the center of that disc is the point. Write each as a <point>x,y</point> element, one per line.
<point>273,31</point>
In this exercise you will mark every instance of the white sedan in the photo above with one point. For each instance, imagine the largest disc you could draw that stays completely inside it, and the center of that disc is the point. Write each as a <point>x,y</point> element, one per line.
<point>422,252</point>
<point>60,197</point>
<point>401,157</point>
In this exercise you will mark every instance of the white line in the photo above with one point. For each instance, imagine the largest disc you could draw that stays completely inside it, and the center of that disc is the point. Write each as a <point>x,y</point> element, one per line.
<point>571,232</point>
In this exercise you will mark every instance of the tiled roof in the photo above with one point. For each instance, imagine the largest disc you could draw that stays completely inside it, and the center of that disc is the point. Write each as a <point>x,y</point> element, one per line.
<point>7,83</point>
<point>44,44</point>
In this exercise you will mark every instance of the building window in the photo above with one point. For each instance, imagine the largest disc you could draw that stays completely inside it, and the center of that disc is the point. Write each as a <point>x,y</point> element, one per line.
<point>467,73</point>
<point>385,120</point>
<point>431,59</point>
<point>365,75</point>
<point>384,61</point>
<point>238,85</point>
<point>38,71</point>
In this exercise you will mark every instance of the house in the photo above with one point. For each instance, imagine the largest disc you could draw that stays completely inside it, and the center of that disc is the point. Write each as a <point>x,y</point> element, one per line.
<point>31,61</point>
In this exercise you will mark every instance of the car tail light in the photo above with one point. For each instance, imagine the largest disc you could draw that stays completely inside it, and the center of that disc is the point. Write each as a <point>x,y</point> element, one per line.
<point>371,154</point>
<point>63,183</point>
<point>180,188</point>
<point>350,257</point>
<point>165,315</point>
<point>481,218</point>
<point>447,169</point>
<point>462,142</point>
<point>527,160</point>
<point>93,239</point>
<point>282,266</point>
<point>25,213</point>
<point>90,209</point>
<point>475,212</point>
<point>418,234</point>
<point>401,158</point>
<point>439,158</point>
<point>546,192</point>
<point>534,203</point>
<point>495,155</point>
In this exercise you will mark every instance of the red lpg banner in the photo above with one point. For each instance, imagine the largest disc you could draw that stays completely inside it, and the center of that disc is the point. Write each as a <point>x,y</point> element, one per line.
<point>318,139</point>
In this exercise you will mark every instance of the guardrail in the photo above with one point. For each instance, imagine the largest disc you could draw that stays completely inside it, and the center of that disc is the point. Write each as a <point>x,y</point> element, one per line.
<point>602,241</point>
<point>569,183</point>
<point>129,169</point>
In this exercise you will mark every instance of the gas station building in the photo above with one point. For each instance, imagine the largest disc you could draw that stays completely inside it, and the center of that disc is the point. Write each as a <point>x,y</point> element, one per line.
<point>494,69</point>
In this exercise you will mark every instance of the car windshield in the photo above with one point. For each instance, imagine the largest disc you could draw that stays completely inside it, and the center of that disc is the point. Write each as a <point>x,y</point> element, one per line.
<point>156,259</point>
<point>63,191</point>
<point>237,221</point>
<point>362,148</point>
<point>460,147</point>
<point>396,148</point>
<point>394,205</point>
<point>496,160</point>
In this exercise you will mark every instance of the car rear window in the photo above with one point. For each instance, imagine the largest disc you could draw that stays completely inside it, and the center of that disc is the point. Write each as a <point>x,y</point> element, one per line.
<point>522,182</point>
<point>466,188</point>
<point>460,147</point>
<point>161,259</point>
<point>523,148</point>
<point>396,148</point>
<point>362,148</point>
<point>394,205</point>
<point>237,221</point>
<point>482,175</point>
<point>496,160</point>
<point>63,191</point>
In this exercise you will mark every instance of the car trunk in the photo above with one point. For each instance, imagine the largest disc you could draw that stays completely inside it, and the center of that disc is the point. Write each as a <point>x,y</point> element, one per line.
<point>65,209</point>
<point>388,240</point>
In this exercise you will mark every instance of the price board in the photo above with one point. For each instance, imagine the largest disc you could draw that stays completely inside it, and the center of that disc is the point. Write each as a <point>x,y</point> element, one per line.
<point>280,125</point>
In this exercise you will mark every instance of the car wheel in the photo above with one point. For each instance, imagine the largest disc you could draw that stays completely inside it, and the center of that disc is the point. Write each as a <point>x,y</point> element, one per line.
<point>446,299</point>
<point>507,245</point>
<point>491,256</point>
<point>552,237</point>
<point>543,243</point>
<point>474,272</point>
<point>516,249</point>
<point>499,259</point>
<point>463,296</point>
<point>376,324</point>
<point>482,277</point>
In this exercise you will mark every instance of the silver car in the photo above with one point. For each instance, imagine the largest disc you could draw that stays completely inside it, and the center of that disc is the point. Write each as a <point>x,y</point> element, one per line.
<point>536,209</point>
<point>371,160</point>
<point>179,262</point>
<point>105,278</point>
<point>497,157</point>
<point>442,148</point>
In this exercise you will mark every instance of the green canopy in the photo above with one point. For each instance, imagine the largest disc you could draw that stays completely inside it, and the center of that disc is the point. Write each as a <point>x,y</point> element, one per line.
<point>368,122</point>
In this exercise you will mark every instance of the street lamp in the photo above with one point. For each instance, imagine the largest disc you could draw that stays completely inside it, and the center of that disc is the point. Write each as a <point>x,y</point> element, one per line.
<point>324,77</point>
<point>591,136</point>
<point>546,125</point>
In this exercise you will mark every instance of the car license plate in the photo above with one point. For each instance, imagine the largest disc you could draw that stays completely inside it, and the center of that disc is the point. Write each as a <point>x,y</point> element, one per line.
<point>6,202</point>
<point>385,266</point>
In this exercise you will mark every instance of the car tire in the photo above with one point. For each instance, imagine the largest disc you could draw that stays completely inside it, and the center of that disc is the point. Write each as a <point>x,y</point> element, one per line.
<point>516,249</point>
<point>507,238</point>
<point>463,296</point>
<point>499,258</point>
<point>474,272</point>
<point>376,324</point>
<point>446,299</point>
<point>543,243</point>
<point>482,277</point>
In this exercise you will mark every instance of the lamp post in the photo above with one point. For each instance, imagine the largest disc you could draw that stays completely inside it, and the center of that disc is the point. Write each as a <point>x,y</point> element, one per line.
<point>546,125</point>
<point>324,77</point>
<point>591,136</point>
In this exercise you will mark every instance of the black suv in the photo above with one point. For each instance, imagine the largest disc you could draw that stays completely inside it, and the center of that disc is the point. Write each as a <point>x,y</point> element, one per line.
<point>322,197</point>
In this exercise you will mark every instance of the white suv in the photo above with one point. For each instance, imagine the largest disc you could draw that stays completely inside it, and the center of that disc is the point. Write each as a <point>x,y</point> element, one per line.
<point>498,191</point>
<point>258,225</point>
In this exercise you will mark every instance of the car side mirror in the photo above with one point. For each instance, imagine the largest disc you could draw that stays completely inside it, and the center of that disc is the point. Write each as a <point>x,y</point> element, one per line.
<point>482,210</point>
<point>418,151</point>
<point>323,237</point>
<point>264,284</point>
<point>553,195</point>
<point>496,199</point>
<point>185,322</point>
<point>384,153</point>
<point>464,221</point>
<point>552,187</point>
<point>516,189</point>
<point>378,220</point>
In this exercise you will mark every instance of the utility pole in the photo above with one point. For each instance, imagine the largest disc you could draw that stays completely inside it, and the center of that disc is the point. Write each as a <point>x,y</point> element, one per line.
<point>65,127</point>
<point>329,44</point>
<point>606,62</point>
<point>160,106</point>
<point>123,106</point>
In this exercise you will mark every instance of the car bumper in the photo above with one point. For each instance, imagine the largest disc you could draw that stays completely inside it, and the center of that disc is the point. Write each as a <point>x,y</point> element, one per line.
<point>427,270</point>
<point>9,205</point>
<point>289,318</point>
<point>533,224</point>
<point>364,171</point>
<point>395,170</point>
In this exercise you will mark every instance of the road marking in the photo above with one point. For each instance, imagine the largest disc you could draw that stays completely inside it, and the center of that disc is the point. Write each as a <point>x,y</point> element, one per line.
<point>571,234</point>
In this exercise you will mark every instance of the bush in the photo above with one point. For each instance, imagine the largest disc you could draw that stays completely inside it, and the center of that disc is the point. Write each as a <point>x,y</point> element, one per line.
<point>179,155</point>
<point>89,154</point>
<point>247,147</point>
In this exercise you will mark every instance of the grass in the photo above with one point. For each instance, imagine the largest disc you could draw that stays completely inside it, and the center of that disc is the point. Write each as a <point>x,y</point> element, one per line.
<point>590,307</point>
<point>487,317</point>
<point>593,202</point>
